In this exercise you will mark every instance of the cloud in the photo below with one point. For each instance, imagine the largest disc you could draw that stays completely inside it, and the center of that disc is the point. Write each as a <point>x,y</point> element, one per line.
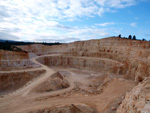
<point>115,3</point>
<point>3,13</point>
<point>106,24</point>
<point>62,39</point>
<point>134,24</point>
<point>58,9</point>
<point>68,35</point>
<point>29,19</point>
<point>81,31</point>
<point>7,36</point>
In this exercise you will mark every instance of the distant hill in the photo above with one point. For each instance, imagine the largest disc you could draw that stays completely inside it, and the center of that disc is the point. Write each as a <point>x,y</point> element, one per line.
<point>1,40</point>
<point>11,44</point>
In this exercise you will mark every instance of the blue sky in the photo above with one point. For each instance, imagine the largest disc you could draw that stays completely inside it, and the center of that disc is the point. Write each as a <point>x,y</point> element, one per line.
<point>73,20</point>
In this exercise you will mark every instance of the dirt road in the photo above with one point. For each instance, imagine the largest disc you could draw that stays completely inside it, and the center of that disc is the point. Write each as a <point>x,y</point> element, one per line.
<point>23,100</point>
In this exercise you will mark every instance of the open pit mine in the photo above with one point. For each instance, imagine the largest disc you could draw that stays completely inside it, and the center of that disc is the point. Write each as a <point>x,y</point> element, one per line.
<point>109,75</point>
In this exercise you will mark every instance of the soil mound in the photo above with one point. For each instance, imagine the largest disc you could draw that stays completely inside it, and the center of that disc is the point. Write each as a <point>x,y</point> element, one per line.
<point>68,109</point>
<point>53,83</point>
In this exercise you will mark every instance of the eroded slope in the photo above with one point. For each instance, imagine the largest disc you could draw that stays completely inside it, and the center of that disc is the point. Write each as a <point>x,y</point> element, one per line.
<point>10,82</point>
<point>95,73</point>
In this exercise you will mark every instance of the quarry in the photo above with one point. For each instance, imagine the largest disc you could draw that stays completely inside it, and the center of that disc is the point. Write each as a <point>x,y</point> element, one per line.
<point>109,75</point>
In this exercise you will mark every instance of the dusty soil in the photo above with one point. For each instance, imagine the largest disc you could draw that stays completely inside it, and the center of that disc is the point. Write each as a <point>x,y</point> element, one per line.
<point>79,108</point>
<point>97,76</point>
<point>53,83</point>
<point>94,89</point>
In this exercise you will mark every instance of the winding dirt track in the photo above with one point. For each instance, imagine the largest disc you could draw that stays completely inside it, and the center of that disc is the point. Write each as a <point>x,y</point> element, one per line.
<point>23,100</point>
<point>23,70</point>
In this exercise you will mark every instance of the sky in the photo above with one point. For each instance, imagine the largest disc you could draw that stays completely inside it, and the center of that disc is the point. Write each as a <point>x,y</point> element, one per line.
<point>73,20</point>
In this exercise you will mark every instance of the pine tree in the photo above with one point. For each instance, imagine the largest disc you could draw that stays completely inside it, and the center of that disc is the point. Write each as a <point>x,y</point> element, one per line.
<point>130,37</point>
<point>119,35</point>
<point>134,37</point>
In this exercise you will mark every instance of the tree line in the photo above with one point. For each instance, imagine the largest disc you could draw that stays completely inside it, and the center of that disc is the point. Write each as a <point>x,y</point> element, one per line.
<point>131,37</point>
<point>10,45</point>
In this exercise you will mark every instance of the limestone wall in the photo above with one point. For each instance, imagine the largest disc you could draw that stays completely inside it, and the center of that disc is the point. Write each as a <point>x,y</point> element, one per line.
<point>138,100</point>
<point>12,81</point>
<point>96,64</point>
<point>12,55</point>
<point>11,59</point>
<point>113,48</point>
<point>133,54</point>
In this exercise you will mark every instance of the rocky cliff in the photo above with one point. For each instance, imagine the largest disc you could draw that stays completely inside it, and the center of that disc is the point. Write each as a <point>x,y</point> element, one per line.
<point>10,60</point>
<point>138,100</point>
<point>129,59</point>
<point>10,82</point>
<point>89,63</point>
<point>134,55</point>
<point>12,55</point>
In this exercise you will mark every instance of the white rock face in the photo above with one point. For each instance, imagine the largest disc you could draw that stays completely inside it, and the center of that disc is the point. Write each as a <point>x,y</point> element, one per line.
<point>146,108</point>
<point>133,54</point>
<point>96,64</point>
<point>138,100</point>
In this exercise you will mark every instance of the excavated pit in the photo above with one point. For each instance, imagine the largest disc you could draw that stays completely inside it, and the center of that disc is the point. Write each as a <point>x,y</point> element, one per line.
<point>53,83</point>
<point>73,108</point>
<point>87,63</point>
<point>85,81</point>
<point>10,82</point>
<point>10,65</point>
<point>119,62</point>
<point>12,60</point>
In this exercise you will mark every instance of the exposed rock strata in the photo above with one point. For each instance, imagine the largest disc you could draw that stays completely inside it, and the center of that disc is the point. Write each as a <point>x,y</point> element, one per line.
<point>10,60</point>
<point>12,55</point>
<point>128,58</point>
<point>12,81</point>
<point>133,54</point>
<point>138,100</point>
<point>67,109</point>
<point>16,64</point>
<point>95,64</point>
